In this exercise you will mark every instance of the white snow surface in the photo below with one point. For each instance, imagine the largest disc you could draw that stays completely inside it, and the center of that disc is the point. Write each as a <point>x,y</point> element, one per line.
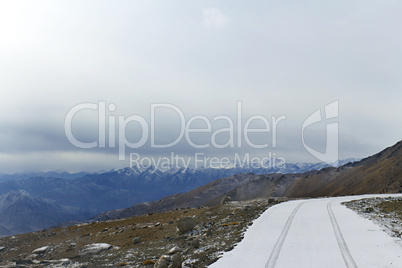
<point>314,233</point>
<point>95,248</point>
<point>41,250</point>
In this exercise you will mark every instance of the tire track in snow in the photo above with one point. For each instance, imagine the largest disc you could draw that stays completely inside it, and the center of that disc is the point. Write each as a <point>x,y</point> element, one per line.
<point>347,257</point>
<point>279,243</point>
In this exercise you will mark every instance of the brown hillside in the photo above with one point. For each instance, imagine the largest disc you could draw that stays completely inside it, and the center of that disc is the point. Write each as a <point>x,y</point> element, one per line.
<point>380,173</point>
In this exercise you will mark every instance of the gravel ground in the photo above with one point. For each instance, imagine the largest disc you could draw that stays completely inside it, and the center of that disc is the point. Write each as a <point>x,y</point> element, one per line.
<point>387,212</point>
<point>111,243</point>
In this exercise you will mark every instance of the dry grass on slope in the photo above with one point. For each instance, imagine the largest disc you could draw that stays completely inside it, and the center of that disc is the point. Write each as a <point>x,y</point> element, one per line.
<point>381,173</point>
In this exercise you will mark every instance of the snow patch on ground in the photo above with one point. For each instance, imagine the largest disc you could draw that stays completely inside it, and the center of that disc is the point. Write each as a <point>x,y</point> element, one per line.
<point>95,248</point>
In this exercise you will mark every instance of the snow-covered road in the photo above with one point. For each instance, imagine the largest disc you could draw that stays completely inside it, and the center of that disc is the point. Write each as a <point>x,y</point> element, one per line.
<point>314,233</point>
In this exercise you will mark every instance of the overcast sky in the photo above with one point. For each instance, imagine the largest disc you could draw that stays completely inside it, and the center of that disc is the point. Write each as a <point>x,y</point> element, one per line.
<point>278,58</point>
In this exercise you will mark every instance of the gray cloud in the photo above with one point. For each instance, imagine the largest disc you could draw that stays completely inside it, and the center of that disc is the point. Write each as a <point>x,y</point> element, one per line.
<point>277,57</point>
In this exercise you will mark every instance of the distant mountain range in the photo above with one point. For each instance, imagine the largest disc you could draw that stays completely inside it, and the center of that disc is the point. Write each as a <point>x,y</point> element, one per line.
<point>72,197</point>
<point>61,174</point>
<point>380,173</point>
<point>49,174</point>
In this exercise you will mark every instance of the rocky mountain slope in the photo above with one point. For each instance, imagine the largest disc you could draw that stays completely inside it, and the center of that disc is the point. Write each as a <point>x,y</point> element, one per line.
<point>380,173</point>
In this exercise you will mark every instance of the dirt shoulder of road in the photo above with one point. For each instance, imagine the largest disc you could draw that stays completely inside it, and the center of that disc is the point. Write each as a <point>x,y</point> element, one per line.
<point>387,212</point>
